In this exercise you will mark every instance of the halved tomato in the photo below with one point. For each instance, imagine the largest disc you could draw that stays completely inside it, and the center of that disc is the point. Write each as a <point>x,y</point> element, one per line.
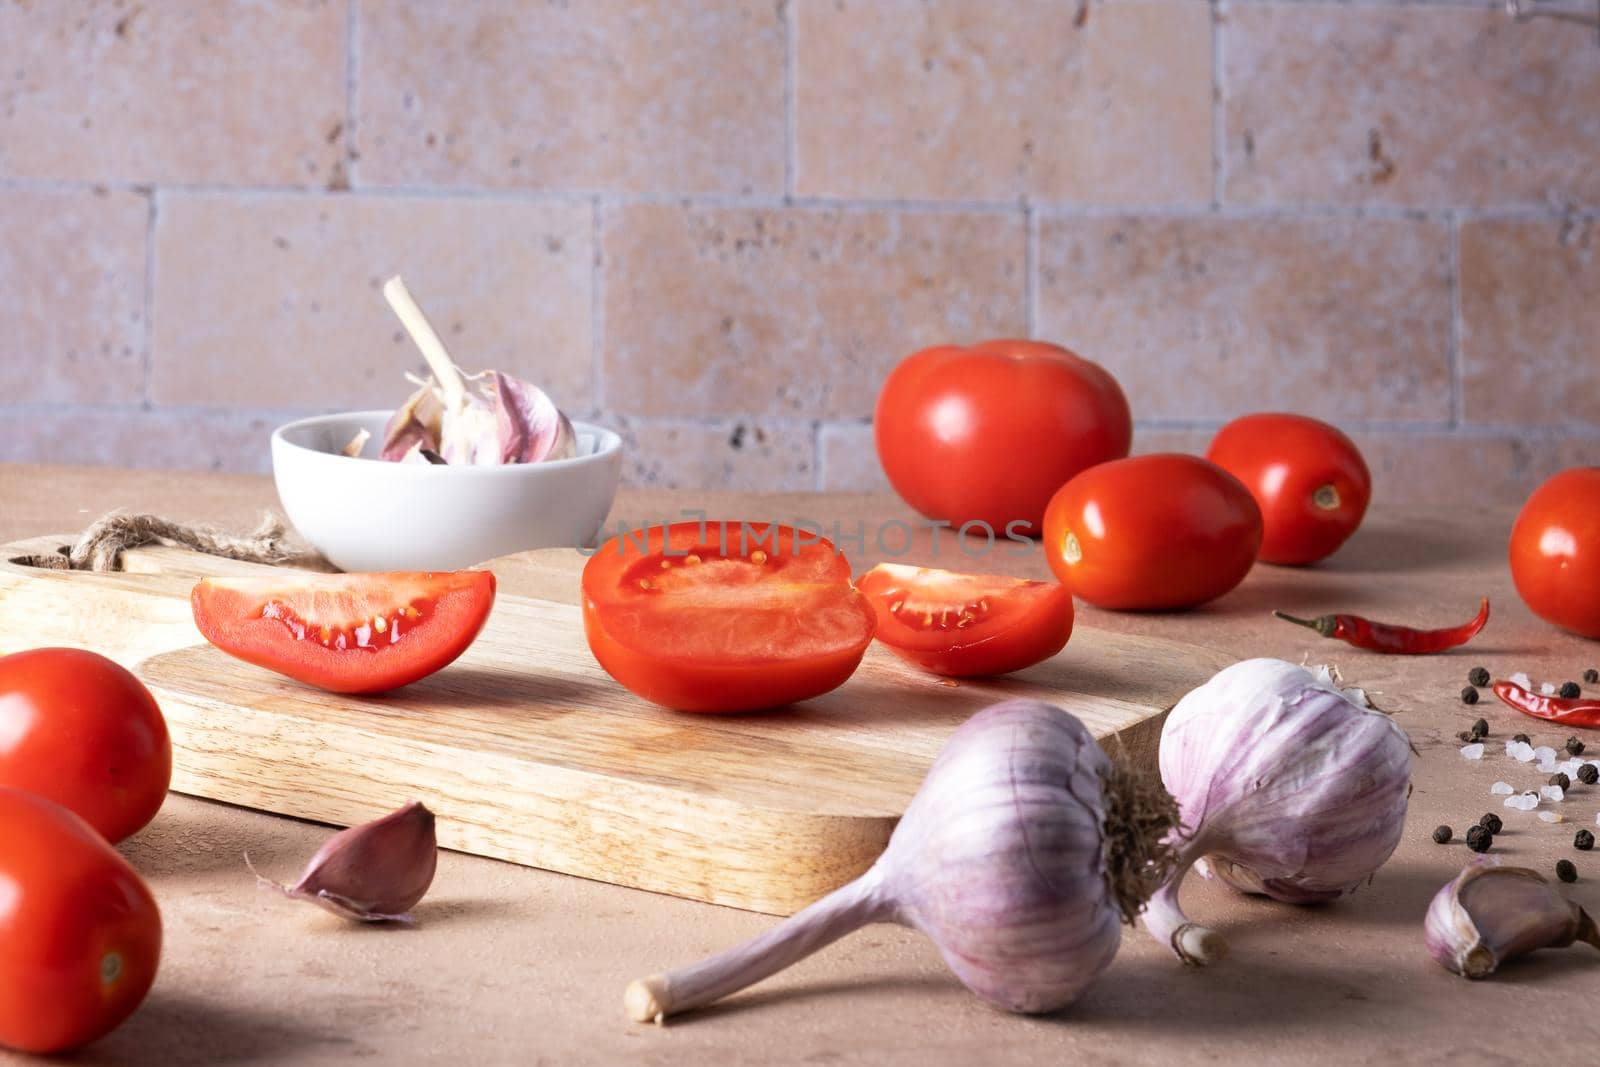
<point>724,616</point>
<point>963,625</point>
<point>347,633</point>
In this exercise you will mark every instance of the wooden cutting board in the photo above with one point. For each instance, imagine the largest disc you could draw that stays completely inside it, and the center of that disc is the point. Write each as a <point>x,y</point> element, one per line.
<point>529,752</point>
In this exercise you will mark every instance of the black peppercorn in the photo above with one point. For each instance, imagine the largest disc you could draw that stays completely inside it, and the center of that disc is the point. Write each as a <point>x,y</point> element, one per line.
<point>1566,871</point>
<point>1562,780</point>
<point>1478,676</point>
<point>1491,822</point>
<point>1524,738</point>
<point>1574,747</point>
<point>1591,676</point>
<point>1568,690</point>
<point>1479,839</point>
<point>1583,840</point>
<point>1469,695</point>
<point>1480,728</point>
<point>1442,834</point>
<point>1589,774</point>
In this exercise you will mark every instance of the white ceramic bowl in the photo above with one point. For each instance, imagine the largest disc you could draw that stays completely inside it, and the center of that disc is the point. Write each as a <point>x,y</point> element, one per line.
<point>370,515</point>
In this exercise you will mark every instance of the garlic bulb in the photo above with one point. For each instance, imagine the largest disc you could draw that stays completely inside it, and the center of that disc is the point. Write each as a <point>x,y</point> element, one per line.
<point>1020,856</point>
<point>1488,913</point>
<point>1286,786</point>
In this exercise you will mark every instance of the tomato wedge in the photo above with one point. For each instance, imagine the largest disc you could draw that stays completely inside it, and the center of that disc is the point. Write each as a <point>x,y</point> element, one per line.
<point>724,616</point>
<point>347,633</point>
<point>961,625</point>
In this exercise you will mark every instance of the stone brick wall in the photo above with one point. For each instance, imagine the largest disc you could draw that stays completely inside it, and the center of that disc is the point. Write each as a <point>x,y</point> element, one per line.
<point>715,224</point>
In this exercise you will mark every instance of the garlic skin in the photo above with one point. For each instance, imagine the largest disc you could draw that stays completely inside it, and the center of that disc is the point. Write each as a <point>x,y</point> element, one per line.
<point>1020,856</point>
<point>375,872</point>
<point>1287,786</point>
<point>1488,914</point>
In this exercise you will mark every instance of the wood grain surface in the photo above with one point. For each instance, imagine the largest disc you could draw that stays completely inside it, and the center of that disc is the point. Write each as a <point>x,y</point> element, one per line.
<point>529,752</point>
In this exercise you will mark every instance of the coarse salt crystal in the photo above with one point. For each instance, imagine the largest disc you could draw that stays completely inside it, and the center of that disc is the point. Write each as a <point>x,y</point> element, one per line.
<point>1521,679</point>
<point>1524,802</point>
<point>1551,792</point>
<point>1547,767</point>
<point>1544,754</point>
<point>1552,816</point>
<point>1474,751</point>
<point>1501,789</point>
<point>1547,689</point>
<point>1570,767</point>
<point>1521,751</point>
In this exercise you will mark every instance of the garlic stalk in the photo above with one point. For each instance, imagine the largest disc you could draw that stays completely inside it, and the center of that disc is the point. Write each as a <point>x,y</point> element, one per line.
<point>1488,914</point>
<point>374,872</point>
<point>1020,856</point>
<point>1287,786</point>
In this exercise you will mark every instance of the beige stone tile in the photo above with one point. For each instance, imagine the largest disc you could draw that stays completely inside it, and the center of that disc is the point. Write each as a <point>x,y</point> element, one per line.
<point>847,458</point>
<point>72,282</point>
<point>1212,317</point>
<point>798,312</point>
<point>1530,322</point>
<point>177,91</point>
<point>607,94</point>
<point>118,437</point>
<point>1341,103</point>
<point>758,455</point>
<point>1039,98</point>
<point>1464,471</point>
<point>272,302</point>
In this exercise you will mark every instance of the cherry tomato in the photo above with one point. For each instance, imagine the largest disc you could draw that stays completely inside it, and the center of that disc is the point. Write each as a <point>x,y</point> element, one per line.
<point>1308,479</point>
<point>83,731</point>
<point>988,433</point>
<point>1555,551</point>
<point>967,624</point>
<point>80,934</point>
<point>347,633</point>
<point>1152,533</point>
<point>731,617</point>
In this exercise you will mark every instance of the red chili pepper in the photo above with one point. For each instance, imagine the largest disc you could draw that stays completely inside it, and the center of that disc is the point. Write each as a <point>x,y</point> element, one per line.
<point>1382,637</point>
<point>1581,711</point>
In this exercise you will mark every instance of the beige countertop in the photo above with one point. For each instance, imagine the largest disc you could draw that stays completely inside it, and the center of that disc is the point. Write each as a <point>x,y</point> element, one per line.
<point>512,965</point>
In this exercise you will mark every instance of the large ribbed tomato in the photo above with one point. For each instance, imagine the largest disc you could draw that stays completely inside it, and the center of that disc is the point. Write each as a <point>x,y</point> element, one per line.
<point>1152,533</point>
<point>1308,478</point>
<point>988,433</point>
<point>1555,551</point>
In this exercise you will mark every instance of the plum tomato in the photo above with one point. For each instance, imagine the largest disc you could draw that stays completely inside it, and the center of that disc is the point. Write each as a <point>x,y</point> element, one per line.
<point>80,934</point>
<point>988,433</point>
<point>1308,478</point>
<point>724,616</point>
<point>962,625</point>
<point>1152,533</point>
<point>81,730</point>
<point>346,633</point>
<point>1555,551</point>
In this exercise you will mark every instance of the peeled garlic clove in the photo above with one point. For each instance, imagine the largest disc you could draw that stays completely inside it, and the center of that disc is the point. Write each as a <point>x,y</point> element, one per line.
<point>1489,914</point>
<point>418,422</point>
<point>530,425</point>
<point>357,443</point>
<point>374,872</point>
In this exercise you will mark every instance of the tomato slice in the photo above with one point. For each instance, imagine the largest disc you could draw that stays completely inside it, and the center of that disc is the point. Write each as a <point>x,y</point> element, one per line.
<point>726,616</point>
<point>963,625</point>
<point>347,633</point>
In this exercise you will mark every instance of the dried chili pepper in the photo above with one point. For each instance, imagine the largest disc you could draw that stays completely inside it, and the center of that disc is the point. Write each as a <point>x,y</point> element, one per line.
<point>1383,637</point>
<point>1555,709</point>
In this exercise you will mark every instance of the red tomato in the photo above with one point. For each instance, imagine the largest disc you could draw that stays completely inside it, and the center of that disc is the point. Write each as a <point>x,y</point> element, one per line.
<point>347,633</point>
<point>988,433</point>
<point>84,732</point>
<point>1308,479</point>
<point>734,617</point>
<point>1152,533</point>
<point>1555,551</point>
<point>80,934</point>
<point>967,624</point>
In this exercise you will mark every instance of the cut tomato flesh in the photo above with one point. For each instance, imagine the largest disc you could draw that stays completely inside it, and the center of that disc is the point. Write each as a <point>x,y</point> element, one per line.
<point>347,633</point>
<point>967,624</point>
<point>728,617</point>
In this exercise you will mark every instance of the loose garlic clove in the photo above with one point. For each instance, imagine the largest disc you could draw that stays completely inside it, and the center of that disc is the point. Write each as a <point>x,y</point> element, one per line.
<point>375,872</point>
<point>1489,914</point>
